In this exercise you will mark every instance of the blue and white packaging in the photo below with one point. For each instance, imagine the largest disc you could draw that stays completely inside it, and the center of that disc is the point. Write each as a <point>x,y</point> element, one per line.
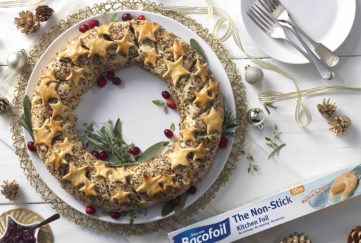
<point>273,210</point>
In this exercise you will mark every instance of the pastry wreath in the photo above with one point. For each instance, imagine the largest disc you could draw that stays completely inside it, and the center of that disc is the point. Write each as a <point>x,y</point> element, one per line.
<point>76,68</point>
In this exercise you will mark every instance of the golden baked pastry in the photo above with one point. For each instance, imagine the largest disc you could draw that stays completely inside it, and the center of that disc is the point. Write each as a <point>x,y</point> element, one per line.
<point>343,186</point>
<point>76,68</point>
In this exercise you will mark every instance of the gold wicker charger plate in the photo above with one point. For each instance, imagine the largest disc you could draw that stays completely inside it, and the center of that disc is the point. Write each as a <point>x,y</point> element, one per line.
<point>26,216</point>
<point>59,204</point>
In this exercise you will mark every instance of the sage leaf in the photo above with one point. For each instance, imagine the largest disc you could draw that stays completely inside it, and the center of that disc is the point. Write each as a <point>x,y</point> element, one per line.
<point>108,128</point>
<point>195,45</point>
<point>172,127</point>
<point>25,118</point>
<point>151,152</point>
<point>276,150</point>
<point>118,129</point>
<point>182,201</point>
<point>158,102</point>
<point>167,208</point>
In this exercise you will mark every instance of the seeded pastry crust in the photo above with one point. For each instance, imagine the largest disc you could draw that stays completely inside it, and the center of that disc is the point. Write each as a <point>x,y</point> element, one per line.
<point>76,68</point>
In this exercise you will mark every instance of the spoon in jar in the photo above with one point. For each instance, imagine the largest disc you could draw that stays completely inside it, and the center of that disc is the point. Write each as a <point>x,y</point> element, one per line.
<point>46,221</point>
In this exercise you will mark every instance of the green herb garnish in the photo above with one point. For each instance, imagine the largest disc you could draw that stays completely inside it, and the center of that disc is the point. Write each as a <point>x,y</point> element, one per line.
<point>269,105</point>
<point>152,151</point>
<point>161,103</point>
<point>251,165</point>
<point>169,207</point>
<point>195,45</point>
<point>172,127</point>
<point>229,122</point>
<point>25,118</point>
<point>271,142</point>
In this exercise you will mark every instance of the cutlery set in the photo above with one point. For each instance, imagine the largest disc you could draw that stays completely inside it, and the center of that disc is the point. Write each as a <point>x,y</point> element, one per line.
<point>273,18</point>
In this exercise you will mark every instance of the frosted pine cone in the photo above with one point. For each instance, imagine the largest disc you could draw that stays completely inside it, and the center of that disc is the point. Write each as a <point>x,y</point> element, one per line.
<point>340,124</point>
<point>4,105</point>
<point>43,13</point>
<point>355,235</point>
<point>296,238</point>
<point>326,108</point>
<point>10,190</point>
<point>27,23</point>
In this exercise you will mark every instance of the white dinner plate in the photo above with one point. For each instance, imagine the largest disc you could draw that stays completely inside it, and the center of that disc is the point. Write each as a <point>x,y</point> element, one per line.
<point>142,121</point>
<point>326,21</point>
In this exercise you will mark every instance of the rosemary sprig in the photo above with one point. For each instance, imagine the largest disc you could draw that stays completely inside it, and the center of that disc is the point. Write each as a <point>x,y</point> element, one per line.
<point>271,142</point>
<point>251,164</point>
<point>25,118</point>
<point>269,105</point>
<point>229,122</point>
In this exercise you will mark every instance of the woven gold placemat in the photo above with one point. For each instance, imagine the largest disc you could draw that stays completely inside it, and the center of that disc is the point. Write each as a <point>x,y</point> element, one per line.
<point>40,185</point>
<point>26,216</point>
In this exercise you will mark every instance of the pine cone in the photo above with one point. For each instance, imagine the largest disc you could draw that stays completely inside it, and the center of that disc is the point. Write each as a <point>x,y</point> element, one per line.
<point>4,105</point>
<point>296,238</point>
<point>43,13</point>
<point>326,109</point>
<point>340,124</point>
<point>355,235</point>
<point>27,23</point>
<point>10,190</point>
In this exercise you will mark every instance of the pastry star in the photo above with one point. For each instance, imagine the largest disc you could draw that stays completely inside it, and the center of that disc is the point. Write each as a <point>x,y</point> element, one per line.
<point>74,51</point>
<point>177,49</point>
<point>188,134</point>
<point>151,56</point>
<point>179,156</point>
<point>175,70</point>
<point>150,185</point>
<point>101,169</point>
<point>213,121</point>
<point>98,45</point>
<point>120,175</point>
<point>49,76</point>
<point>200,152</point>
<point>76,175</point>
<point>167,180</point>
<point>202,98</point>
<point>88,188</point>
<point>58,109</point>
<point>123,45</point>
<point>202,70</point>
<point>103,29</point>
<point>62,149</point>
<point>146,30</point>
<point>47,91</point>
<point>213,88</point>
<point>47,131</point>
<point>76,75</point>
<point>121,196</point>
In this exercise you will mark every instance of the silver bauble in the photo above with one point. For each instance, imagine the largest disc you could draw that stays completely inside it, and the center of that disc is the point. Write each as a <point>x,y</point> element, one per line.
<point>16,60</point>
<point>253,74</point>
<point>255,117</point>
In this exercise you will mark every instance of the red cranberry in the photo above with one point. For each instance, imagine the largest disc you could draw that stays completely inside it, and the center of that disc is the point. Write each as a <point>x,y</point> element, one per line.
<point>83,28</point>
<point>31,146</point>
<point>110,75</point>
<point>141,17</point>
<point>223,142</point>
<point>103,155</point>
<point>101,82</point>
<point>95,154</point>
<point>134,150</point>
<point>192,190</point>
<point>168,133</point>
<point>171,104</point>
<point>175,201</point>
<point>127,17</point>
<point>116,81</point>
<point>115,215</point>
<point>90,210</point>
<point>166,94</point>
<point>92,23</point>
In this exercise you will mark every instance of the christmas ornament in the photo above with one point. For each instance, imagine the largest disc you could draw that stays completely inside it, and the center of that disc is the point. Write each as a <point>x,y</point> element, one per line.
<point>253,74</point>
<point>296,238</point>
<point>27,23</point>
<point>4,105</point>
<point>355,235</point>
<point>43,13</point>
<point>340,124</point>
<point>326,108</point>
<point>255,117</point>
<point>16,60</point>
<point>10,190</point>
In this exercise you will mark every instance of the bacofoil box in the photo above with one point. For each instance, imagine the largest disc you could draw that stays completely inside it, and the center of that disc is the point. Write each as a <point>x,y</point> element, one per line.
<point>273,210</point>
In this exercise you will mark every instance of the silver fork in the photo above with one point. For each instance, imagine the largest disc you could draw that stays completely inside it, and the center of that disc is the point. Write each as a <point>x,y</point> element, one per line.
<point>279,12</point>
<point>271,27</point>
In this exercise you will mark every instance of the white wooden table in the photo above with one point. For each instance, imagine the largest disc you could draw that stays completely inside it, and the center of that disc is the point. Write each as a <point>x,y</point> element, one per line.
<point>309,153</point>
